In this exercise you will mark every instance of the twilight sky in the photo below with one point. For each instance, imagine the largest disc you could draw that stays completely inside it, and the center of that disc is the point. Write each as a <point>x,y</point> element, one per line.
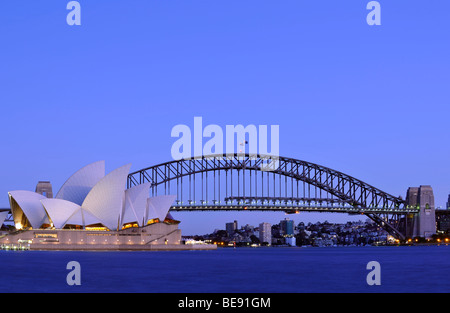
<point>370,101</point>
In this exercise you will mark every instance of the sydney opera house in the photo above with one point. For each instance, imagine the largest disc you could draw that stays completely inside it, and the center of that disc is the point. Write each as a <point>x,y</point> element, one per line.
<point>94,211</point>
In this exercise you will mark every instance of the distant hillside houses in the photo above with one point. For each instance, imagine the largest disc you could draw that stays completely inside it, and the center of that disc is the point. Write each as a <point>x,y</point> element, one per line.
<point>286,233</point>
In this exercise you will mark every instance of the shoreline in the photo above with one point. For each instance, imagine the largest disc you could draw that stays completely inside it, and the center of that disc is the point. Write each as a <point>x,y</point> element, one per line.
<point>106,247</point>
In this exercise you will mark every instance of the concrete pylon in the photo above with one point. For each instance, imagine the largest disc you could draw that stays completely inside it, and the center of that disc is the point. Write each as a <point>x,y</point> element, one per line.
<point>422,224</point>
<point>44,188</point>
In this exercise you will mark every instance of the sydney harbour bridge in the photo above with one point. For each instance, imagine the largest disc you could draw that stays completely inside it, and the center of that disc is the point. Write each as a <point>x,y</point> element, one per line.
<point>244,182</point>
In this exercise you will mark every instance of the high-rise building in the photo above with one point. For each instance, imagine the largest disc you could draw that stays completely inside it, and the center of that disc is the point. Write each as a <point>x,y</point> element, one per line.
<point>287,227</point>
<point>448,202</point>
<point>231,228</point>
<point>265,233</point>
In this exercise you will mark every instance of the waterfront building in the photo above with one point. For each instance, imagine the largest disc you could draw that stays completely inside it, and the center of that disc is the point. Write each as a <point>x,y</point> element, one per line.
<point>290,241</point>
<point>287,231</point>
<point>231,228</point>
<point>287,227</point>
<point>443,221</point>
<point>93,208</point>
<point>265,233</point>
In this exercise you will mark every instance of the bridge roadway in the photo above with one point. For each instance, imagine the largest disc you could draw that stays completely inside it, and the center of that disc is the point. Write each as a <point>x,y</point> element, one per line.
<point>287,205</point>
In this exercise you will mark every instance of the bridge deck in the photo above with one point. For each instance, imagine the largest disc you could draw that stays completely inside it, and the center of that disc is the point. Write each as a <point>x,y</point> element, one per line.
<point>293,209</point>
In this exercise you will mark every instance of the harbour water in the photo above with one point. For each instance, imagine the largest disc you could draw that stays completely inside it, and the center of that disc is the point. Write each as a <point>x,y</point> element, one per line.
<point>404,269</point>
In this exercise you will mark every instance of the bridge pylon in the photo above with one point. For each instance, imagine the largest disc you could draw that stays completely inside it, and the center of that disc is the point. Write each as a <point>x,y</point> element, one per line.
<point>422,224</point>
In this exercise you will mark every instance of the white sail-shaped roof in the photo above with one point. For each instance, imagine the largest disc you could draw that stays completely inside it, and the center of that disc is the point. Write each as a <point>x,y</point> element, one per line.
<point>159,206</point>
<point>83,218</point>
<point>77,187</point>
<point>105,200</point>
<point>59,211</point>
<point>135,204</point>
<point>3,216</point>
<point>30,204</point>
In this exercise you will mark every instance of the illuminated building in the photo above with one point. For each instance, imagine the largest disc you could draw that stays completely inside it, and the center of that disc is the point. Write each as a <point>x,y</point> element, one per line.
<point>94,211</point>
<point>265,233</point>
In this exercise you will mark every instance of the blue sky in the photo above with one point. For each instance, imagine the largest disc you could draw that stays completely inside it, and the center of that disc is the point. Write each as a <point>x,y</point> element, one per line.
<point>370,101</point>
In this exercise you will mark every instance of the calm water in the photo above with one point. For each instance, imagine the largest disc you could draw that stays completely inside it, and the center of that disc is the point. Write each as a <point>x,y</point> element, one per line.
<point>279,270</point>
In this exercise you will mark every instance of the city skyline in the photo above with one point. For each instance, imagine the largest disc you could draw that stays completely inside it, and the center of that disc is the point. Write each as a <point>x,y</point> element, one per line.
<point>371,102</point>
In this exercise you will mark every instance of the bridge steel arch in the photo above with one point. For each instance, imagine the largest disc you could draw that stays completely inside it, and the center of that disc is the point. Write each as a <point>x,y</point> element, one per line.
<point>243,182</point>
